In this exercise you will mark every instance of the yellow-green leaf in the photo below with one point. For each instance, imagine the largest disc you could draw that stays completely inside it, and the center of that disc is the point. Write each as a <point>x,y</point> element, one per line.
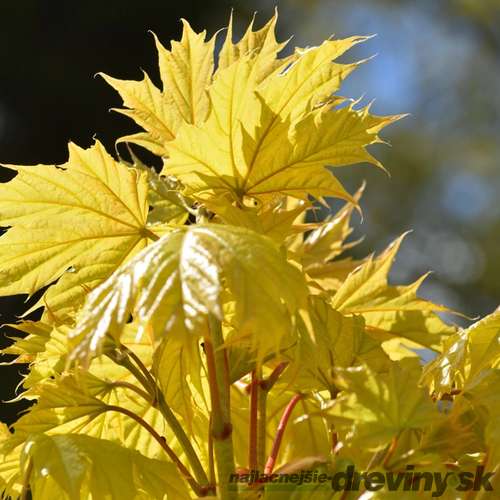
<point>177,370</point>
<point>259,139</point>
<point>175,282</point>
<point>166,205</point>
<point>465,355</point>
<point>328,241</point>
<point>261,44</point>
<point>77,222</point>
<point>186,72</point>
<point>73,467</point>
<point>391,311</point>
<point>10,462</point>
<point>26,348</point>
<point>340,342</point>
<point>377,407</point>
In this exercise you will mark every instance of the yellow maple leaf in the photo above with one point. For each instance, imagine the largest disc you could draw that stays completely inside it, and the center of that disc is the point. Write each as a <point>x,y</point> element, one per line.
<point>391,311</point>
<point>260,126</point>
<point>76,223</point>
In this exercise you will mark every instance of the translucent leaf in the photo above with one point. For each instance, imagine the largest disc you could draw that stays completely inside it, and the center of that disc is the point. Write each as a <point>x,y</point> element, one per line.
<point>177,371</point>
<point>328,241</point>
<point>27,348</point>
<point>274,221</point>
<point>484,392</point>
<point>186,72</point>
<point>332,275</point>
<point>165,203</point>
<point>250,146</point>
<point>391,311</point>
<point>339,342</point>
<point>78,223</point>
<point>178,280</point>
<point>63,405</point>
<point>10,461</point>
<point>377,407</point>
<point>261,44</point>
<point>75,466</point>
<point>465,355</point>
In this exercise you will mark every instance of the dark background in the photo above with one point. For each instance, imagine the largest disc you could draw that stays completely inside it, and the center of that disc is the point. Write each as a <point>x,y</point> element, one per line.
<point>438,60</point>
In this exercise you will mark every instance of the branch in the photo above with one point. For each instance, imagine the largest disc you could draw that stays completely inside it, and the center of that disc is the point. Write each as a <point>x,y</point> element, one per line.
<point>218,378</point>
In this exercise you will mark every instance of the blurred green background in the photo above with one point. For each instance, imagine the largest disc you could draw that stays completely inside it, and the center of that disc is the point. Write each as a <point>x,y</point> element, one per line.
<point>438,60</point>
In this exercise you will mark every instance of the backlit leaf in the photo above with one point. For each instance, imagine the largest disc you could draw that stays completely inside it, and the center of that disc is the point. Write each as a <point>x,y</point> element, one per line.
<point>328,241</point>
<point>391,311</point>
<point>464,356</point>
<point>340,342</point>
<point>255,144</point>
<point>261,44</point>
<point>10,462</point>
<point>75,466</point>
<point>375,408</point>
<point>174,283</point>
<point>78,223</point>
<point>177,371</point>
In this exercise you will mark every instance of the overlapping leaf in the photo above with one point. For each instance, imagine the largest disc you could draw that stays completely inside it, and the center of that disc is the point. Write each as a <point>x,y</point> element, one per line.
<point>260,126</point>
<point>64,405</point>
<point>391,311</point>
<point>72,467</point>
<point>260,43</point>
<point>328,241</point>
<point>260,143</point>
<point>465,355</point>
<point>166,205</point>
<point>26,348</point>
<point>482,393</point>
<point>274,221</point>
<point>340,342</point>
<point>178,372</point>
<point>10,462</point>
<point>174,283</point>
<point>186,72</point>
<point>77,222</point>
<point>377,407</point>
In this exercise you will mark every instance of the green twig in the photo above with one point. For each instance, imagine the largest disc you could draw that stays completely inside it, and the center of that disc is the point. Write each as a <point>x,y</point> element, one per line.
<point>218,378</point>
<point>142,374</point>
<point>134,388</point>
<point>26,480</point>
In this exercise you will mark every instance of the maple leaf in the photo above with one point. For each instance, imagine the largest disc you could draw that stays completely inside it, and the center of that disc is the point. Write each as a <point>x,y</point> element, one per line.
<point>175,282</point>
<point>178,372</point>
<point>76,223</point>
<point>260,125</point>
<point>464,356</point>
<point>273,221</point>
<point>375,408</point>
<point>10,483</point>
<point>166,205</point>
<point>185,72</point>
<point>256,143</point>
<point>328,240</point>
<point>482,393</point>
<point>339,341</point>
<point>391,311</point>
<point>261,44</point>
<point>26,348</point>
<point>72,467</point>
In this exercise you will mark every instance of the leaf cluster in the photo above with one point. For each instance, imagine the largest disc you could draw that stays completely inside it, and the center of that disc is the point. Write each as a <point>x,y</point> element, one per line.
<point>190,312</point>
